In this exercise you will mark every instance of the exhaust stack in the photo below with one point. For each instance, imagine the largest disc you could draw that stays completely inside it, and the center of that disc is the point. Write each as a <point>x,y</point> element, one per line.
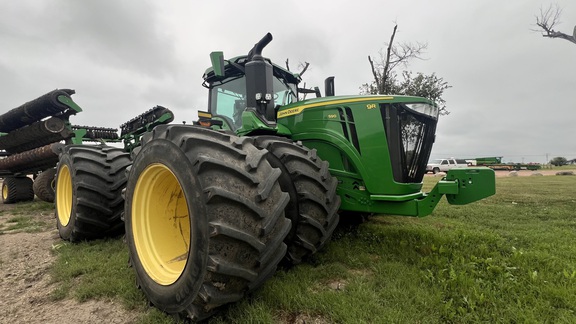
<point>259,76</point>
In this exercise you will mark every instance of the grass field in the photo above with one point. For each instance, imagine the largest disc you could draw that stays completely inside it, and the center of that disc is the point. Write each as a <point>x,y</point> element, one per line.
<point>22,217</point>
<point>509,258</point>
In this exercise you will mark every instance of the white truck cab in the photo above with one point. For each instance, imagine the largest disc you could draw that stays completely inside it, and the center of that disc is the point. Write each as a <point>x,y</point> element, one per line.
<point>443,165</point>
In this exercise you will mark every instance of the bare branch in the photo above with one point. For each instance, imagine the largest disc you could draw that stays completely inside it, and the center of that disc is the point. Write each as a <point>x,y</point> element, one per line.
<point>395,55</point>
<point>305,67</point>
<point>548,19</point>
<point>375,73</point>
<point>402,53</point>
<point>386,71</point>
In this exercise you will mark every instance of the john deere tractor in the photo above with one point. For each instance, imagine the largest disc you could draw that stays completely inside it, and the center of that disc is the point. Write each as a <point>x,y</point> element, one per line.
<point>212,208</point>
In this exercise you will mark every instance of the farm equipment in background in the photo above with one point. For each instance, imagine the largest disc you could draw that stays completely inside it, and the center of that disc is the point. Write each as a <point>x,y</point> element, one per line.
<point>30,140</point>
<point>33,134</point>
<point>211,209</point>
<point>495,163</point>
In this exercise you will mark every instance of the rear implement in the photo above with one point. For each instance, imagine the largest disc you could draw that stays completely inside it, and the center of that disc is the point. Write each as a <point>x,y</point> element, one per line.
<point>30,141</point>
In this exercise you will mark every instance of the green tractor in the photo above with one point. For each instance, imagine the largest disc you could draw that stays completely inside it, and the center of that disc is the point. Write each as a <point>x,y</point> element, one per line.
<point>212,208</point>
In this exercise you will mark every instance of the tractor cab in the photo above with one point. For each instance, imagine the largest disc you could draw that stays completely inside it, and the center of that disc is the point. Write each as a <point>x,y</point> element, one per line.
<point>227,94</point>
<point>248,83</point>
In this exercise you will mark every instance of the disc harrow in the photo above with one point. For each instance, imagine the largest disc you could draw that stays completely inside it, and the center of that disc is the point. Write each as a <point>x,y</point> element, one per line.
<point>37,159</point>
<point>146,121</point>
<point>54,103</point>
<point>35,135</point>
<point>31,137</point>
<point>95,133</point>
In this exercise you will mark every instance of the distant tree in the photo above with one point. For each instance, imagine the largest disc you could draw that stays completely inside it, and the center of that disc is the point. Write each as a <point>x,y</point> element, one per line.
<point>427,86</point>
<point>547,21</point>
<point>387,81</point>
<point>558,161</point>
<point>303,68</point>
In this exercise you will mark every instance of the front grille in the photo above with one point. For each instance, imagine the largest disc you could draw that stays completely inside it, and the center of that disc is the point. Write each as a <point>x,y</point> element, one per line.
<point>410,136</point>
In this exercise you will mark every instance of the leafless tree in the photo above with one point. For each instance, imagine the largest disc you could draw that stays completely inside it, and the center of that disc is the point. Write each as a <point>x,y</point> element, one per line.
<point>388,81</point>
<point>304,66</point>
<point>396,55</point>
<point>548,19</point>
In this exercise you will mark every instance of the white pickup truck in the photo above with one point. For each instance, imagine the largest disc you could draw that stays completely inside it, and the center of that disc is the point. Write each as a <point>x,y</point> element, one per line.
<point>443,165</point>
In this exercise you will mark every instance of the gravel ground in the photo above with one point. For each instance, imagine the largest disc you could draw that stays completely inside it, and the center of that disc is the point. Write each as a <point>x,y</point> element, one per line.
<point>26,285</point>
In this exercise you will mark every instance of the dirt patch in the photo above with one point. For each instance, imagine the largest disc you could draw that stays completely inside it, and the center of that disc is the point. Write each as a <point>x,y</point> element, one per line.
<point>25,282</point>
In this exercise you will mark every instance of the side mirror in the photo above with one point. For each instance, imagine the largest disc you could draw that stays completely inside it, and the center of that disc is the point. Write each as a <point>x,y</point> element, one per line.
<point>329,86</point>
<point>217,59</point>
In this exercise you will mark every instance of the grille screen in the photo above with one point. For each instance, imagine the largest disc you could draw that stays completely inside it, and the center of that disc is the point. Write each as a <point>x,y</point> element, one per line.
<point>410,137</point>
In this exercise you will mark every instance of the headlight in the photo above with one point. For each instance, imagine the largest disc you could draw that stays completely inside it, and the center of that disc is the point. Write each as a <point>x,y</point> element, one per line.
<point>424,109</point>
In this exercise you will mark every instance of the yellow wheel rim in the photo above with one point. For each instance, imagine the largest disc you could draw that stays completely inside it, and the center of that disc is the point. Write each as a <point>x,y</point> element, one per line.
<point>160,224</point>
<point>64,195</point>
<point>4,191</point>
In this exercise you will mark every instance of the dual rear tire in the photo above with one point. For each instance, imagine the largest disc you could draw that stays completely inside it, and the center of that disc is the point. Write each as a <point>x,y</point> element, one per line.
<point>314,204</point>
<point>207,215</point>
<point>204,219</point>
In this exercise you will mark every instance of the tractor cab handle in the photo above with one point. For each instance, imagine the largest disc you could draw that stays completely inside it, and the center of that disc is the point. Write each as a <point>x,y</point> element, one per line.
<point>255,53</point>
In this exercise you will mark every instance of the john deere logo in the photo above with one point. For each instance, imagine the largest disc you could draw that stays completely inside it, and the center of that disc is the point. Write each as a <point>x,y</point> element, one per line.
<point>289,112</point>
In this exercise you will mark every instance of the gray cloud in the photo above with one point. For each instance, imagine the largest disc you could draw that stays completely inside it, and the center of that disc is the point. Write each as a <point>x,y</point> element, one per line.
<point>511,94</point>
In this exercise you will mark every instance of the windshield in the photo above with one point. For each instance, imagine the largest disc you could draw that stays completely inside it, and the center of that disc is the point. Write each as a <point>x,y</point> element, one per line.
<point>228,99</point>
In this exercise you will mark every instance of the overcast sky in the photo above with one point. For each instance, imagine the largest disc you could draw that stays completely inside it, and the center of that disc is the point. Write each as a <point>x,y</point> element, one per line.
<point>513,90</point>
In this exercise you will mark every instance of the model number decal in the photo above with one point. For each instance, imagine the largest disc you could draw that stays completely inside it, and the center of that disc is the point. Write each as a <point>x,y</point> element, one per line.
<point>331,116</point>
<point>370,106</point>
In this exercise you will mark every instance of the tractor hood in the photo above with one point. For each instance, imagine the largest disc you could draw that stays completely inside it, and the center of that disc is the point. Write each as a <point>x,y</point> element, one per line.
<point>323,102</point>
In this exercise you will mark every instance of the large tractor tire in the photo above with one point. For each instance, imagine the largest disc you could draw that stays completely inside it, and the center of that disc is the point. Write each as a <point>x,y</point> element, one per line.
<point>45,184</point>
<point>15,189</point>
<point>204,219</point>
<point>89,184</point>
<point>314,204</point>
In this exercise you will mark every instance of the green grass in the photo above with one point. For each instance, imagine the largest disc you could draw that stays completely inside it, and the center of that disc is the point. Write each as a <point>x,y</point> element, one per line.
<point>568,167</point>
<point>508,258</point>
<point>30,217</point>
<point>99,270</point>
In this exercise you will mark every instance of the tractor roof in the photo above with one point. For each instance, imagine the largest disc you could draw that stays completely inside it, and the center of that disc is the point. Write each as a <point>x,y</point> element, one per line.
<point>235,67</point>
